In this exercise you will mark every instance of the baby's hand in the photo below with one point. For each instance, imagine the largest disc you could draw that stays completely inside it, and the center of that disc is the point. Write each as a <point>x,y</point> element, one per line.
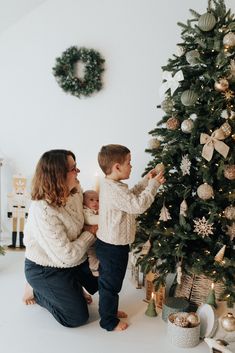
<point>160,178</point>
<point>91,228</point>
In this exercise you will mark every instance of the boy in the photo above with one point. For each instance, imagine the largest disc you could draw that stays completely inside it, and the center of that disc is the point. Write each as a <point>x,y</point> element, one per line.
<point>119,207</point>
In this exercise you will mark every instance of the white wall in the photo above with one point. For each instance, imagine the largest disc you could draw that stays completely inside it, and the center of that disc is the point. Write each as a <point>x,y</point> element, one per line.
<point>136,37</point>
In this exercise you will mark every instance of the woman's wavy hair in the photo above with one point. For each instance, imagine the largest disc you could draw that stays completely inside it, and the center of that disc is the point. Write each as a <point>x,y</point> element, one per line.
<point>49,181</point>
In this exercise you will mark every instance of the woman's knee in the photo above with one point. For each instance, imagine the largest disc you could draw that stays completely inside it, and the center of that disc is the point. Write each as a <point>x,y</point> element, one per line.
<point>72,320</point>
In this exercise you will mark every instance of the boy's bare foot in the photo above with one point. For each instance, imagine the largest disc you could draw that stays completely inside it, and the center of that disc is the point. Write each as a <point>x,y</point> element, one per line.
<point>28,297</point>
<point>121,326</point>
<point>121,314</point>
<point>87,296</point>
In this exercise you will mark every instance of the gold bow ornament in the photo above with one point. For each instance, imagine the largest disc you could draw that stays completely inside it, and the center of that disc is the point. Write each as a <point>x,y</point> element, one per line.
<point>213,142</point>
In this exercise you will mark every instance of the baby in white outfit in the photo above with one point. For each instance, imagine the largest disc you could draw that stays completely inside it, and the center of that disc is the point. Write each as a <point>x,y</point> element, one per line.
<point>91,210</point>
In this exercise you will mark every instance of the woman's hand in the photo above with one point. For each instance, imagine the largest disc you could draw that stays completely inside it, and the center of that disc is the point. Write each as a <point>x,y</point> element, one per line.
<point>92,229</point>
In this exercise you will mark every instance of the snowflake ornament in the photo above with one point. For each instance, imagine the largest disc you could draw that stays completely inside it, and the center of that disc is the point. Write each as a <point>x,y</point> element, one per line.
<point>185,165</point>
<point>202,227</point>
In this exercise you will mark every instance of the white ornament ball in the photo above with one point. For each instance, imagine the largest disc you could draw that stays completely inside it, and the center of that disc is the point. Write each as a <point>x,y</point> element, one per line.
<point>229,213</point>
<point>205,191</point>
<point>180,50</point>
<point>229,39</point>
<point>192,57</point>
<point>154,143</point>
<point>187,126</point>
<point>193,116</point>
<point>206,22</point>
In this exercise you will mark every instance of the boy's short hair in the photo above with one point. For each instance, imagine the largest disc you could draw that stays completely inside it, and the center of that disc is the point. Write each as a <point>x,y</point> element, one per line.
<point>111,154</point>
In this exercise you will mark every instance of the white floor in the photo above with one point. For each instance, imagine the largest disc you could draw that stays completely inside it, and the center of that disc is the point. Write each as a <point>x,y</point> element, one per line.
<point>31,329</point>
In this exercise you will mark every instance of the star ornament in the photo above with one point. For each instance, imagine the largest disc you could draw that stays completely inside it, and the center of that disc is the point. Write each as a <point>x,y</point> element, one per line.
<point>203,227</point>
<point>228,95</point>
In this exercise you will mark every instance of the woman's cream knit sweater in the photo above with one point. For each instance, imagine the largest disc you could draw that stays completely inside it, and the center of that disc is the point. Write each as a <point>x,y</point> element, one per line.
<point>54,237</point>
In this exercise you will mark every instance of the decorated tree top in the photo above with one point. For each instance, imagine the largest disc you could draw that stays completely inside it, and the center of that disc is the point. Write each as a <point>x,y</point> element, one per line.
<point>193,215</point>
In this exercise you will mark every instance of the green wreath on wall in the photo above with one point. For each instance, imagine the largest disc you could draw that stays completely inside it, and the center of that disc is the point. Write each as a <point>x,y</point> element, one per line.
<point>64,71</point>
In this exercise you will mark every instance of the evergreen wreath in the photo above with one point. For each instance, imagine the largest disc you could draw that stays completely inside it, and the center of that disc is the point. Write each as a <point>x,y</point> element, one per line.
<point>64,71</point>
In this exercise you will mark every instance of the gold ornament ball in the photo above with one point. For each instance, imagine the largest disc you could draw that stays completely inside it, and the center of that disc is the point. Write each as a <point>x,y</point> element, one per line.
<point>181,321</point>
<point>229,39</point>
<point>228,322</point>
<point>222,85</point>
<point>229,213</point>
<point>205,191</point>
<point>193,319</point>
<point>229,172</point>
<point>160,168</point>
<point>153,143</point>
<point>172,123</point>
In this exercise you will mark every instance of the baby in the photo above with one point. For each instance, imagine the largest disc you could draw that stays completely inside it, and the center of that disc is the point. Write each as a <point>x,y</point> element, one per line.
<point>90,210</point>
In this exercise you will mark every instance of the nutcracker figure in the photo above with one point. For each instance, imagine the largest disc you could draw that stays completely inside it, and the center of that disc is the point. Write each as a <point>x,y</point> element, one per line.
<point>18,201</point>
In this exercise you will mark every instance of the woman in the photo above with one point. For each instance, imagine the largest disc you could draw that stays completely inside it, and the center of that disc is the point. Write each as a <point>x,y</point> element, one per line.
<point>56,265</point>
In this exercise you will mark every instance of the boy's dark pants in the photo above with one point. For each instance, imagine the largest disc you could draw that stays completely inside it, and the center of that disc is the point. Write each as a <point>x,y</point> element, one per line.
<point>59,290</point>
<point>112,268</point>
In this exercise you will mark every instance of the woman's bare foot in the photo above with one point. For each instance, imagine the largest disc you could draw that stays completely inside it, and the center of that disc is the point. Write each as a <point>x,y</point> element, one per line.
<point>87,296</point>
<point>121,314</point>
<point>121,326</point>
<point>28,297</point>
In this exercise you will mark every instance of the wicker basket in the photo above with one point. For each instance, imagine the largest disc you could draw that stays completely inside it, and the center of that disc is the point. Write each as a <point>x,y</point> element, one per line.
<point>196,288</point>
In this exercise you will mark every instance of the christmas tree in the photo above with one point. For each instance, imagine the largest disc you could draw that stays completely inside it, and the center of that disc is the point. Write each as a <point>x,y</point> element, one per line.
<point>192,219</point>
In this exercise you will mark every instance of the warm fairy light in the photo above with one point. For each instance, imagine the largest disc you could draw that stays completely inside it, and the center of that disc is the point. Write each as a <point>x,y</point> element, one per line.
<point>152,296</point>
<point>227,296</point>
<point>214,272</point>
<point>212,285</point>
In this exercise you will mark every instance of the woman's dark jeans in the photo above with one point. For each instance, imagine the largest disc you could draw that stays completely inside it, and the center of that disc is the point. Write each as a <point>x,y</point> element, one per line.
<point>59,290</point>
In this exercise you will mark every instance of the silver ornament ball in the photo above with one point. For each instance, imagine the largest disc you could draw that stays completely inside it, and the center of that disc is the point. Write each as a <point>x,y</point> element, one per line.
<point>187,126</point>
<point>192,57</point>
